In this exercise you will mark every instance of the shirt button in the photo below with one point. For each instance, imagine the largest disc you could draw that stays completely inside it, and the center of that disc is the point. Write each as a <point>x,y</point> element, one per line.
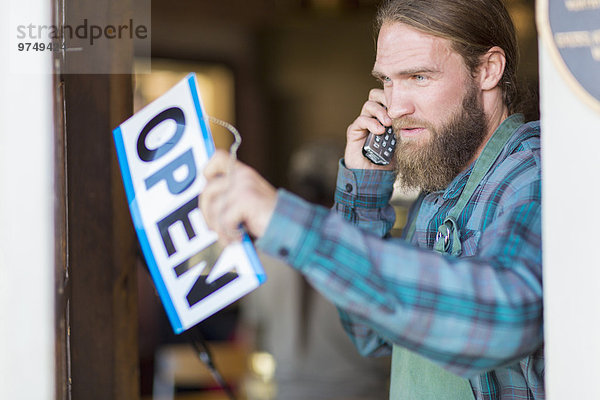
<point>349,187</point>
<point>284,252</point>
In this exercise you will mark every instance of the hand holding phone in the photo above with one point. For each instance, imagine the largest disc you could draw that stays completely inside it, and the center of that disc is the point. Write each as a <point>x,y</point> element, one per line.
<point>379,149</point>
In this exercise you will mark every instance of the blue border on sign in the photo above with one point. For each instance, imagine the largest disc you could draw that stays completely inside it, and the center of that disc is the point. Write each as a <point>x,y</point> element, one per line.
<point>209,144</point>
<point>161,288</point>
<point>253,257</point>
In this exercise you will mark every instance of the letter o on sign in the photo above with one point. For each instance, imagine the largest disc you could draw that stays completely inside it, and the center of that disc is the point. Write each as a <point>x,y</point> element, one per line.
<point>146,154</point>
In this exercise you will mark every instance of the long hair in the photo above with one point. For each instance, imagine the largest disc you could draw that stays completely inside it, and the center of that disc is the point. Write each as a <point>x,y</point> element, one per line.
<point>472,27</point>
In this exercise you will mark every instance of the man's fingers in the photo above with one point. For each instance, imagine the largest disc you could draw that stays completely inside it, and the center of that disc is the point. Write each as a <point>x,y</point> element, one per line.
<point>373,118</point>
<point>377,95</point>
<point>217,165</point>
<point>377,110</point>
<point>215,200</point>
<point>358,130</point>
<point>375,106</point>
<point>211,200</point>
<point>230,222</point>
<point>220,211</point>
<point>241,196</point>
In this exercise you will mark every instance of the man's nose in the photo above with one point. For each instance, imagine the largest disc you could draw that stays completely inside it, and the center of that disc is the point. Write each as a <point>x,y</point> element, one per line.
<point>399,103</point>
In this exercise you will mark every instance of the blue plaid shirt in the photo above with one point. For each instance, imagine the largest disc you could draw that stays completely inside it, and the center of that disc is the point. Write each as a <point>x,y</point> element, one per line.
<point>478,315</point>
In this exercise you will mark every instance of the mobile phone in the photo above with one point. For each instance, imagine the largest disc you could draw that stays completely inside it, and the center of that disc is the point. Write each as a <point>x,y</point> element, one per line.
<point>379,149</point>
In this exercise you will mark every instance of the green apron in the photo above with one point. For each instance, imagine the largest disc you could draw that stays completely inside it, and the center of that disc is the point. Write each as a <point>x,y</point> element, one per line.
<point>412,376</point>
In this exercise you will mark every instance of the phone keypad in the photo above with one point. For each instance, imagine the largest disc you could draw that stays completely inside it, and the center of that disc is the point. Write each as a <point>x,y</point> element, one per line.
<point>379,149</point>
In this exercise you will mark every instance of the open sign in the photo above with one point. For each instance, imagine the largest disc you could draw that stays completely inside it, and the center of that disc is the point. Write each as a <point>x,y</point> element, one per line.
<point>162,150</point>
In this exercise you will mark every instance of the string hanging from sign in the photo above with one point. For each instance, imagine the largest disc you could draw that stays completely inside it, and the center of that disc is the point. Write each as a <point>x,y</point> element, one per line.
<point>237,138</point>
<point>205,355</point>
<point>237,141</point>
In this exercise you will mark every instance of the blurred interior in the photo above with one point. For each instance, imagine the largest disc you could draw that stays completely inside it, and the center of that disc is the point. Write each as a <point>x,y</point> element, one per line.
<point>290,75</point>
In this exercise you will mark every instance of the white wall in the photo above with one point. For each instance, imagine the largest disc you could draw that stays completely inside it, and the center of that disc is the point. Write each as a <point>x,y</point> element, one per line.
<point>26,211</point>
<point>571,190</point>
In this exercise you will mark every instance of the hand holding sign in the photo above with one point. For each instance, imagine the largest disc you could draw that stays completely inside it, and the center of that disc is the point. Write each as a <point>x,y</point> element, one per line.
<point>235,195</point>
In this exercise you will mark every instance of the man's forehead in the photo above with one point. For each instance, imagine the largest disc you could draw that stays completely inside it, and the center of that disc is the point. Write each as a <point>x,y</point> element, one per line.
<point>401,43</point>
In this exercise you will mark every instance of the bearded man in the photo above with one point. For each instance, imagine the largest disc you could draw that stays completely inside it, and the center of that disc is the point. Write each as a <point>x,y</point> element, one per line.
<point>458,299</point>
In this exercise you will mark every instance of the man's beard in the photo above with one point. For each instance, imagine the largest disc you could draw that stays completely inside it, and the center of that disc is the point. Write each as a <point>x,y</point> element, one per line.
<point>433,165</point>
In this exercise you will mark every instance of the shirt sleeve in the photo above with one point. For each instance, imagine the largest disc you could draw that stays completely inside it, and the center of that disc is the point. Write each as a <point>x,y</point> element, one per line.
<point>467,314</point>
<point>362,197</point>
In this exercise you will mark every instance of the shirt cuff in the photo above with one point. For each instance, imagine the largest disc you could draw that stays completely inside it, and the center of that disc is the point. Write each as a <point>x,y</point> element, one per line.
<point>364,188</point>
<point>290,234</point>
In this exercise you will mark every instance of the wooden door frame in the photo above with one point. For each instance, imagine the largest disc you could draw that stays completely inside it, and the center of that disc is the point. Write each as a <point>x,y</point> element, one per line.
<point>96,285</point>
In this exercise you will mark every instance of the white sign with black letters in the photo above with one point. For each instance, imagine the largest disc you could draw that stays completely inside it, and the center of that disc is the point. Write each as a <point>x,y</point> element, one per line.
<point>162,150</point>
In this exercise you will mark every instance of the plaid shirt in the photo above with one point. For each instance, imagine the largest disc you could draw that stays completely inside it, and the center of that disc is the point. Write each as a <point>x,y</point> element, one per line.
<point>478,315</point>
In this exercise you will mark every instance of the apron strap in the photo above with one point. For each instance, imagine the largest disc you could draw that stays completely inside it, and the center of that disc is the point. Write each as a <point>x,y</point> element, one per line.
<point>484,163</point>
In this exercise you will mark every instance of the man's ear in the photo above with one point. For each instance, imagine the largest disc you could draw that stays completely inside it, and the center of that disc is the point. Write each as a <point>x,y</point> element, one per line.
<point>491,68</point>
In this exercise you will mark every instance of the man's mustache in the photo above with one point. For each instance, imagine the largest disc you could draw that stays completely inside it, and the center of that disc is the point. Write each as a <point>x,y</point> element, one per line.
<point>409,122</point>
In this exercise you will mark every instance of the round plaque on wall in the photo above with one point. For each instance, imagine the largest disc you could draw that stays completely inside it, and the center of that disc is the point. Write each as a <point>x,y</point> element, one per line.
<point>571,28</point>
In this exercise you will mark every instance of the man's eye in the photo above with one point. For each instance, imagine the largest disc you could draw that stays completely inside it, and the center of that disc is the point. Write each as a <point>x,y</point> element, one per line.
<point>419,78</point>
